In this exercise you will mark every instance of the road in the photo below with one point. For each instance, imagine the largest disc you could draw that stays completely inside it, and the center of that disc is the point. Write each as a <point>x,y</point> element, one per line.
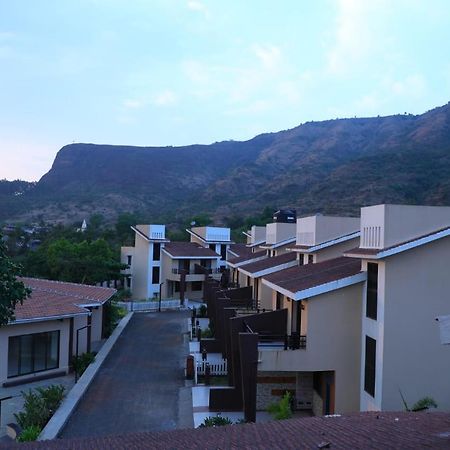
<point>140,386</point>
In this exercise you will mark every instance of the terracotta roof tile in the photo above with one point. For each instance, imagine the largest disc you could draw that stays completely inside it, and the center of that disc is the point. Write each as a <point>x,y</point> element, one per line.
<point>304,277</point>
<point>368,431</point>
<point>56,298</point>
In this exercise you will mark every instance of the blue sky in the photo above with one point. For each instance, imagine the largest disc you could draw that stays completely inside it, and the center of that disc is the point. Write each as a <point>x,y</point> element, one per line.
<point>177,72</point>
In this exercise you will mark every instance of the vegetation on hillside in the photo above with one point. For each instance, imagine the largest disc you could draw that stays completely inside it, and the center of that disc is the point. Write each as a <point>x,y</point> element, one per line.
<point>334,167</point>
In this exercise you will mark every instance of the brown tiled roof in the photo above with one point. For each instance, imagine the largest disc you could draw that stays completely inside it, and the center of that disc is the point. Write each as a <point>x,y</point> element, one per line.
<point>186,249</point>
<point>240,249</point>
<point>361,252</point>
<point>247,257</point>
<point>82,291</point>
<point>308,276</point>
<point>56,298</point>
<point>267,263</point>
<point>368,431</point>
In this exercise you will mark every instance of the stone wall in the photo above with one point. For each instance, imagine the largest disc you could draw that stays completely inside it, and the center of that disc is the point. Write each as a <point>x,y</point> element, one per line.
<point>271,386</point>
<point>317,404</point>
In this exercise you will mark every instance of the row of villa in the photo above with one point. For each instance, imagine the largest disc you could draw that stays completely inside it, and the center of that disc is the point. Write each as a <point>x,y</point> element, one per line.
<point>348,314</point>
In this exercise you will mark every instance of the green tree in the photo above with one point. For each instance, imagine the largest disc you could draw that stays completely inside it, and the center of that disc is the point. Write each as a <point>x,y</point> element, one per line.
<point>77,262</point>
<point>12,290</point>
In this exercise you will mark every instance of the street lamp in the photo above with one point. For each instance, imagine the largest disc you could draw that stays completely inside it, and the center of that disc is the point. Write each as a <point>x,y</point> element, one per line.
<point>160,286</point>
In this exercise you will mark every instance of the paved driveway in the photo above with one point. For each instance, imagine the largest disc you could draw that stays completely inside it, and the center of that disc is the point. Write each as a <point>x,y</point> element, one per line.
<point>140,386</point>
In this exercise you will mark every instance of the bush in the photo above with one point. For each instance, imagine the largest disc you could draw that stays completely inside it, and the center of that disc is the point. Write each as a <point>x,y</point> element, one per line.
<point>39,406</point>
<point>282,409</point>
<point>30,433</point>
<point>202,311</point>
<point>113,313</point>
<point>424,403</point>
<point>216,421</point>
<point>207,333</point>
<point>80,363</point>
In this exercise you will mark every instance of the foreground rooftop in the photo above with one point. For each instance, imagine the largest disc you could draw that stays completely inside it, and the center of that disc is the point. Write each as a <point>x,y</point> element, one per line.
<point>373,430</point>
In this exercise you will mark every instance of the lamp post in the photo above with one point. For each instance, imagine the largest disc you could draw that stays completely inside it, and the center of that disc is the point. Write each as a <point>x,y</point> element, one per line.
<point>76,352</point>
<point>160,286</point>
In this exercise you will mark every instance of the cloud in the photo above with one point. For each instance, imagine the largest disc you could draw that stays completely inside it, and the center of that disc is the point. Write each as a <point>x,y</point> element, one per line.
<point>412,86</point>
<point>195,5</point>
<point>268,55</point>
<point>165,98</point>
<point>133,103</point>
<point>354,38</point>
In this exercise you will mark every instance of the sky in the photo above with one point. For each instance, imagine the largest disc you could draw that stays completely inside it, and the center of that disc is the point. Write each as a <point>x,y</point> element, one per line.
<point>179,72</point>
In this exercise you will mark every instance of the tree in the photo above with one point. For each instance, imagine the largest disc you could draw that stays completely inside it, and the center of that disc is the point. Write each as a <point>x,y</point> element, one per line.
<point>77,262</point>
<point>12,290</point>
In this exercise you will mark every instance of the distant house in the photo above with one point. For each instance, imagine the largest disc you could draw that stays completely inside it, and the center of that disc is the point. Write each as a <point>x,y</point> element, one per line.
<point>58,320</point>
<point>157,265</point>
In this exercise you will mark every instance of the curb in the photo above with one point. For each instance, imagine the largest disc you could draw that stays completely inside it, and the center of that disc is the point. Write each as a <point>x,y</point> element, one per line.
<point>61,416</point>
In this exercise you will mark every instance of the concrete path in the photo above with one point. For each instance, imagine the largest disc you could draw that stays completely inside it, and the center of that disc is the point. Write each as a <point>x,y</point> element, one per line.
<point>140,386</point>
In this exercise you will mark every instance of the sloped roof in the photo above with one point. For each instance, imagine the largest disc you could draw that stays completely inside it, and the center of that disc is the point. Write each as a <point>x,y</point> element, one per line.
<point>188,249</point>
<point>53,299</point>
<point>301,278</point>
<point>247,258</point>
<point>268,263</point>
<point>379,253</point>
<point>369,430</point>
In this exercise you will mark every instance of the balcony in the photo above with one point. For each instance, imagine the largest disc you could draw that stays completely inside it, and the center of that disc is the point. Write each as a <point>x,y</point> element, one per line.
<point>191,275</point>
<point>295,341</point>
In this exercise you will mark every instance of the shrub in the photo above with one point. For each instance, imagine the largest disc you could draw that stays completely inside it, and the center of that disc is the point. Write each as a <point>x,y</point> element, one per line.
<point>207,333</point>
<point>39,406</point>
<point>424,403</point>
<point>113,313</point>
<point>30,433</point>
<point>216,421</point>
<point>202,311</point>
<point>81,362</point>
<point>282,409</point>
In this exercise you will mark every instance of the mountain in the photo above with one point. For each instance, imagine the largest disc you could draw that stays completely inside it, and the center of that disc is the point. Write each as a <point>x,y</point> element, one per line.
<point>332,166</point>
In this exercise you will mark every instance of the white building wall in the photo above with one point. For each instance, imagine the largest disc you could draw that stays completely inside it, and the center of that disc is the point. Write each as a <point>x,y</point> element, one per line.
<point>34,327</point>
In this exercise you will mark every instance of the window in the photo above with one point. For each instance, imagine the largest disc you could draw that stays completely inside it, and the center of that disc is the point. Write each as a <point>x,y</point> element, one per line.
<point>223,251</point>
<point>156,251</point>
<point>32,353</point>
<point>197,286</point>
<point>369,366</point>
<point>129,260</point>
<point>155,275</point>
<point>176,286</point>
<point>372,291</point>
<point>300,260</point>
<point>310,259</point>
<point>212,247</point>
<point>128,282</point>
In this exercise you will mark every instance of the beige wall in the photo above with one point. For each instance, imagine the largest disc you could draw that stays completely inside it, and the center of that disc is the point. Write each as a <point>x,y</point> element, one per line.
<point>417,290</point>
<point>313,230</point>
<point>140,268</point>
<point>333,330</point>
<point>30,328</point>
<point>335,251</point>
<point>96,324</point>
<point>277,232</point>
<point>386,225</point>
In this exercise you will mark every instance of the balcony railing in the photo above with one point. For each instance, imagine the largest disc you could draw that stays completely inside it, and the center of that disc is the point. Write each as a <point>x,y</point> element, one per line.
<point>177,271</point>
<point>294,341</point>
